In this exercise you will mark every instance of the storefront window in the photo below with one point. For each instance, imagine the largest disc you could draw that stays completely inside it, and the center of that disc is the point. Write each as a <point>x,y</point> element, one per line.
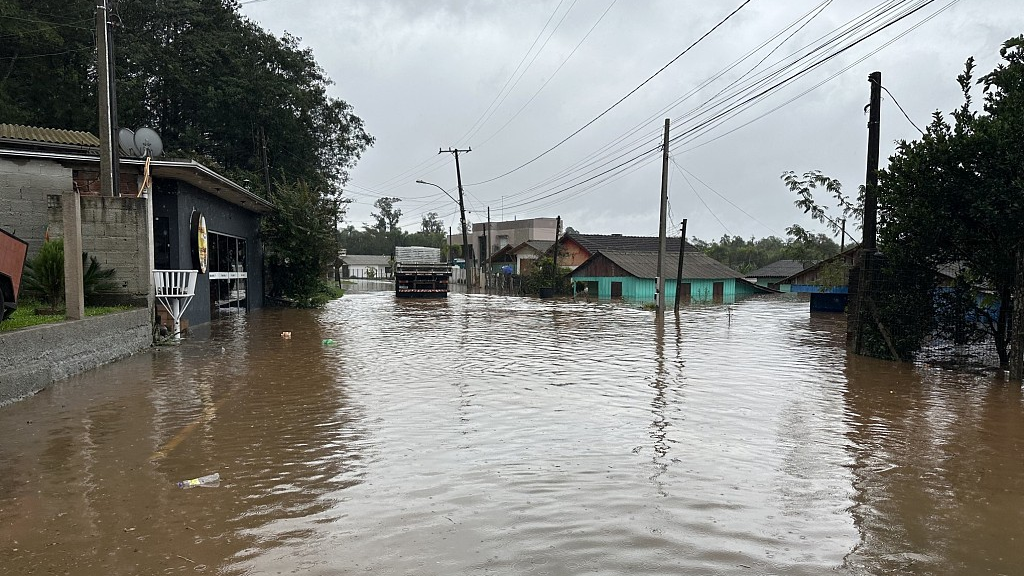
<point>228,274</point>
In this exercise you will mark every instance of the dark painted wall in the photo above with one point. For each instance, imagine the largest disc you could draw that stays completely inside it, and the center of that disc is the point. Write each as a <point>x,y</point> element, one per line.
<point>176,200</point>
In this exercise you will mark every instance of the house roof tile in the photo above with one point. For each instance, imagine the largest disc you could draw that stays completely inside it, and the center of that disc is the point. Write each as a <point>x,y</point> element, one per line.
<point>780,269</point>
<point>645,265</point>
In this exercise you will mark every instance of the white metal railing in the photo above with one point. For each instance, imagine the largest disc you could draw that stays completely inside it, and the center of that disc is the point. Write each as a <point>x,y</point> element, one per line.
<point>175,290</point>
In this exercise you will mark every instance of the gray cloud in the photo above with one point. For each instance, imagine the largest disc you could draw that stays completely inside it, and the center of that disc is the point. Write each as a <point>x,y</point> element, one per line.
<point>422,73</point>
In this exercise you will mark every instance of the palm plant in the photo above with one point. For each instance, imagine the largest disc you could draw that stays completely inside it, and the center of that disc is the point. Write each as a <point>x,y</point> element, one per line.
<point>44,275</point>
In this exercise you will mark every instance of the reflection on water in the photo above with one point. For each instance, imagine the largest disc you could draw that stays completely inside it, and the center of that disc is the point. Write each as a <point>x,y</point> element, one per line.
<point>486,434</point>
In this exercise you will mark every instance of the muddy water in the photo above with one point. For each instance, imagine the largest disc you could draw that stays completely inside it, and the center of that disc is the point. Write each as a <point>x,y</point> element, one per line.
<point>490,435</point>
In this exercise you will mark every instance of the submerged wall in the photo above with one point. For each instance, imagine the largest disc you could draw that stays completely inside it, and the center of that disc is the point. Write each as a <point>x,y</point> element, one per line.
<point>34,358</point>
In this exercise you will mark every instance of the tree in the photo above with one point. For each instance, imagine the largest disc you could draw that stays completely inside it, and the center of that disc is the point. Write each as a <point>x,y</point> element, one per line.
<point>387,215</point>
<point>804,187</point>
<point>956,197</point>
<point>216,86</point>
<point>300,242</point>
<point>432,224</point>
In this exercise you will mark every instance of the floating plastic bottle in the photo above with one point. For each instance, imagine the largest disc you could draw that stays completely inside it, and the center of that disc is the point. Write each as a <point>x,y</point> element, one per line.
<point>208,481</point>
<point>328,342</point>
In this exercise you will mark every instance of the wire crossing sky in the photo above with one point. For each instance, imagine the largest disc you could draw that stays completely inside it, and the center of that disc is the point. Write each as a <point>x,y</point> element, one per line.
<point>563,101</point>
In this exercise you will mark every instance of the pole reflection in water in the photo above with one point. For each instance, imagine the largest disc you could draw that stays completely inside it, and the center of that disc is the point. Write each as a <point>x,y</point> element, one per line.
<point>486,434</point>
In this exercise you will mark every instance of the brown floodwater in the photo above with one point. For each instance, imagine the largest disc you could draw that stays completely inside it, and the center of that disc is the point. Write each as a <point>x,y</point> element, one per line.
<point>496,435</point>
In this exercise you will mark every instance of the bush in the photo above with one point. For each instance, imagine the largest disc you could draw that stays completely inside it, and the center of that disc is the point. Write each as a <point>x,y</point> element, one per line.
<point>44,275</point>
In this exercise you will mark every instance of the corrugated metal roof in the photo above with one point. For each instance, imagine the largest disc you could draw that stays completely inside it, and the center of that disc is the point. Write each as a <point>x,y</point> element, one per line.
<point>595,243</point>
<point>780,269</point>
<point>48,135</point>
<point>366,260</point>
<point>696,265</point>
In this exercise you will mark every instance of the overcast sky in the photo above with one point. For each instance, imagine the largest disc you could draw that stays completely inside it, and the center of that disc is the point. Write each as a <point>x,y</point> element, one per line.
<point>512,79</point>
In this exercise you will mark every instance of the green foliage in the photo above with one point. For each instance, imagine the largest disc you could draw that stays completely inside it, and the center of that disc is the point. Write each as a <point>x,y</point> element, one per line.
<point>804,187</point>
<point>44,275</point>
<point>300,244</point>
<point>747,255</point>
<point>833,274</point>
<point>25,315</point>
<point>214,84</point>
<point>544,275</point>
<point>956,196</point>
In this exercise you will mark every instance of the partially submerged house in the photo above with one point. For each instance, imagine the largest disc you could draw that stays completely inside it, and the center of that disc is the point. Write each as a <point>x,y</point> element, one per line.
<point>365,266</point>
<point>772,274</point>
<point>827,282</point>
<point>575,249</point>
<point>519,259</point>
<point>633,276</point>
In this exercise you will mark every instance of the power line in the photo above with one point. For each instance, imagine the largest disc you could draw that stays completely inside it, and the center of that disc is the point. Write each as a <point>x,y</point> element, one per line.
<point>514,72</point>
<point>735,108</point>
<point>905,115</point>
<point>620,101</point>
<point>712,212</point>
<point>553,74</point>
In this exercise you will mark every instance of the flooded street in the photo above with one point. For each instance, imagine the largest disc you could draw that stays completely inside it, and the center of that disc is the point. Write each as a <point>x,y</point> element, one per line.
<point>494,435</point>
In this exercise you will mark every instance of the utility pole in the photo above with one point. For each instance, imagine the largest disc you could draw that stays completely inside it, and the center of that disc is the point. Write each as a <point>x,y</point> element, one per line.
<point>558,230</point>
<point>265,159</point>
<point>662,223</point>
<point>487,248</point>
<point>862,274</point>
<point>462,211</point>
<point>679,271</point>
<point>108,164</point>
<point>871,179</point>
<point>842,236</point>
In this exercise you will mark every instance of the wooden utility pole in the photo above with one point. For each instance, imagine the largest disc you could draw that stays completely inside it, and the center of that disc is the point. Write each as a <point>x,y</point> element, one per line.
<point>106,114</point>
<point>662,222</point>
<point>679,272</point>
<point>462,212</point>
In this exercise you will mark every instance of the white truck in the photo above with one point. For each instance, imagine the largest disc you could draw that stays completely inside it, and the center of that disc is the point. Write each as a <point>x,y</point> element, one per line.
<point>420,273</point>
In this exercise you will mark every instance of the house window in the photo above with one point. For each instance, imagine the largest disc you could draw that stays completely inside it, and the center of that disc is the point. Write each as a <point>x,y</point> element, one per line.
<point>502,241</point>
<point>616,289</point>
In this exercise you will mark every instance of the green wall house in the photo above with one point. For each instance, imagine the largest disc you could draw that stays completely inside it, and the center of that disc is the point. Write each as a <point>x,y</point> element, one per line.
<point>632,276</point>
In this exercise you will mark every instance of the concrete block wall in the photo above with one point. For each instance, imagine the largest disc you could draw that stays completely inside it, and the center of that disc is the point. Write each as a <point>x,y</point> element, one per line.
<point>24,188</point>
<point>114,230</point>
<point>33,358</point>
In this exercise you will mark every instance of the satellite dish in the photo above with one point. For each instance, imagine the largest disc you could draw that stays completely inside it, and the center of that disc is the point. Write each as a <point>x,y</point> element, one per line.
<point>126,139</point>
<point>147,142</point>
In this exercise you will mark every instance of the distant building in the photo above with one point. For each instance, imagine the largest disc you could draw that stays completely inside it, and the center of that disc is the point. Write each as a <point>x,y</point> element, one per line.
<point>486,239</point>
<point>771,274</point>
<point>519,258</point>
<point>365,266</point>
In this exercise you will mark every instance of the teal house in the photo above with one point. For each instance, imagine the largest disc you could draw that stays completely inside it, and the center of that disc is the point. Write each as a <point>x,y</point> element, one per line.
<point>633,276</point>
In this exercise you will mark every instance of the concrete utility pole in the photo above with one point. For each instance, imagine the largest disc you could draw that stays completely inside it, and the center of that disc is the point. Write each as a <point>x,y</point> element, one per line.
<point>487,248</point>
<point>108,163</point>
<point>462,212</point>
<point>679,271</point>
<point>662,224</point>
<point>863,271</point>
<point>871,179</point>
<point>558,230</point>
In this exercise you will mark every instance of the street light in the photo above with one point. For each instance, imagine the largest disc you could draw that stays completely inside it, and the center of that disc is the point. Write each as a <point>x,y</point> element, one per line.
<point>439,188</point>
<point>462,211</point>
